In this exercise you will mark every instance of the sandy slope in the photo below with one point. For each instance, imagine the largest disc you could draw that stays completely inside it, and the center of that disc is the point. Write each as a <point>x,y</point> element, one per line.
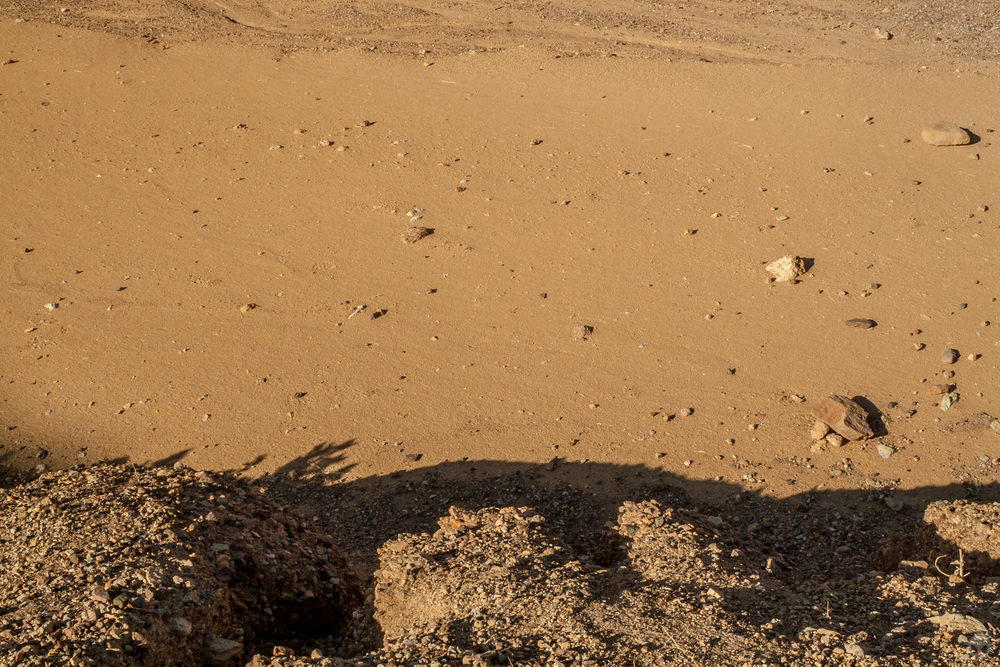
<point>152,192</point>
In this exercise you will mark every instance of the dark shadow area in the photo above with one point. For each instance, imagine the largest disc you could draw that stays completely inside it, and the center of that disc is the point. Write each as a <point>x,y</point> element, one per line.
<point>167,461</point>
<point>809,548</point>
<point>874,416</point>
<point>318,460</point>
<point>973,137</point>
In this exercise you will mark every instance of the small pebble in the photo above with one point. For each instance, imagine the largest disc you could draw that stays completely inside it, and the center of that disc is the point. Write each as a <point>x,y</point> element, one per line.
<point>686,412</point>
<point>861,323</point>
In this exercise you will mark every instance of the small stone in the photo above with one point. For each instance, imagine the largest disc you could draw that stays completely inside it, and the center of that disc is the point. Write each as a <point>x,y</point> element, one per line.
<point>414,234</point>
<point>995,425</point>
<point>686,412</point>
<point>944,133</point>
<point>918,346</point>
<point>893,503</point>
<point>247,307</point>
<point>835,440</point>
<point>181,626</point>
<point>939,388</point>
<point>861,323</point>
<point>582,332</point>
<point>787,268</point>
<point>100,594</point>
<point>882,34</point>
<point>854,649</point>
<point>844,416</point>
<point>51,306</point>
<point>412,458</point>
<point>819,430</point>
<point>885,451</point>
<point>222,650</point>
<point>949,355</point>
<point>948,401</point>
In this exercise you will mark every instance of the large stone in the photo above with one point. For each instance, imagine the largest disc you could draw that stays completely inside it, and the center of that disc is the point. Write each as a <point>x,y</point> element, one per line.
<point>844,416</point>
<point>944,133</point>
<point>786,269</point>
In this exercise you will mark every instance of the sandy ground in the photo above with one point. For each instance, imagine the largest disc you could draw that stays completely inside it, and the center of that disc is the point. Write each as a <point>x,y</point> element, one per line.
<point>209,192</point>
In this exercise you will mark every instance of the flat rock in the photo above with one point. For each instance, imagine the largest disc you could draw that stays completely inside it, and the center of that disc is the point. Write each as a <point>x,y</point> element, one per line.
<point>959,623</point>
<point>861,323</point>
<point>944,133</point>
<point>787,268</point>
<point>885,451</point>
<point>844,416</point>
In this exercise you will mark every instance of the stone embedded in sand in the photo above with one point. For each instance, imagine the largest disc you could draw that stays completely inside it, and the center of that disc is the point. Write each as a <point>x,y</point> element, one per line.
<point>582,331</point>
<point>861,323</point>
<point>414,234</point>
<point>944,133</point>
<point>939,388</point>
<point>787,268</point>
<point>844,416</point>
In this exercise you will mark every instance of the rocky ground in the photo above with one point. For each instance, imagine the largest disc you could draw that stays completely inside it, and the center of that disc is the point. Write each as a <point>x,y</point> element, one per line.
<point>155,566</point>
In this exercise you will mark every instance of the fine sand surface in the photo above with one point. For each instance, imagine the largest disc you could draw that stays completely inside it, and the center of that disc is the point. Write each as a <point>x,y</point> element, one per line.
<point>209,191</point>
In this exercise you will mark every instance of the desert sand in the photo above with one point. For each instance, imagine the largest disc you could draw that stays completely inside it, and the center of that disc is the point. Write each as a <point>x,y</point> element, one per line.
<point>203,207</point>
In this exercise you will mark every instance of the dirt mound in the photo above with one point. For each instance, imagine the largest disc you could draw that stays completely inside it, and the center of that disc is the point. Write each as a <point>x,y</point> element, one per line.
<point>118,565</point>
<point>493,587</point>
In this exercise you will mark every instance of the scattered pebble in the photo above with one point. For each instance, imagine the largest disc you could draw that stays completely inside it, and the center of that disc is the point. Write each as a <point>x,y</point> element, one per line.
<point>686,412</point>
<point>948,401</point>
<point>51,306</point>
<point>835,440</point>
<point>247,307</point>
<point>882,34</point>
<point>939,388</point>
<point>949,355</point>
<point>861,323</point>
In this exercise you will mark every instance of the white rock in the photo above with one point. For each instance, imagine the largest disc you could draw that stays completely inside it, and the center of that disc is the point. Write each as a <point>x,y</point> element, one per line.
<point>786,268</point>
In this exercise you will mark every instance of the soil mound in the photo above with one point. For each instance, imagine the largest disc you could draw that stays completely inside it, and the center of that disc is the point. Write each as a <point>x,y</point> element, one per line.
<point>121,565</point>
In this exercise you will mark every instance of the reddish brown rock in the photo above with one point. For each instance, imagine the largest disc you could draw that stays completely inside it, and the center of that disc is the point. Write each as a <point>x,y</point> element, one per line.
<point>844,416</point>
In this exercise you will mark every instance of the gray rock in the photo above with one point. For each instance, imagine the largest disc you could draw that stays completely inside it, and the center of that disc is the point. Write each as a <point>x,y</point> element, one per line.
<point>221,650</point>
<point>854,649</point>
<point>885,451</point>
<point>949,355</point>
